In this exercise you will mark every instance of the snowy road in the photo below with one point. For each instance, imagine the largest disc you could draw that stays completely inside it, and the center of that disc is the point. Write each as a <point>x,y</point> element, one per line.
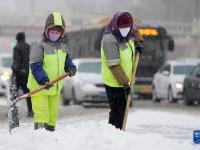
<point>150,126</point>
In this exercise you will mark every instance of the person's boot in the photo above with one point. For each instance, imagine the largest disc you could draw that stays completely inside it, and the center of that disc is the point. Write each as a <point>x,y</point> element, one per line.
<point>38,125</point>
<point>49,128</point>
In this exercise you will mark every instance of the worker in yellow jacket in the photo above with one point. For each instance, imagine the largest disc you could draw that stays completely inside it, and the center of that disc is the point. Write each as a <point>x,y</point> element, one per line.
<point>49,59</point>
<point>118,48</point>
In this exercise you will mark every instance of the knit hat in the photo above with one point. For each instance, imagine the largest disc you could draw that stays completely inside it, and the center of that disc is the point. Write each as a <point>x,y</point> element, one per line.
<point>124,20</point>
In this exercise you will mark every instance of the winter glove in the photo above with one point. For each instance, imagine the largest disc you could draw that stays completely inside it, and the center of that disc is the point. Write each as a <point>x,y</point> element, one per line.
<point>48,85</point>
<point>137,36</point>
<point>72,71</point>
<point>139,47</point>
<point>126,89</point>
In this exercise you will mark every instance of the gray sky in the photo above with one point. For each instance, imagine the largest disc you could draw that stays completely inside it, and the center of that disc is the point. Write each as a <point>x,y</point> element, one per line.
<point>79,12</point>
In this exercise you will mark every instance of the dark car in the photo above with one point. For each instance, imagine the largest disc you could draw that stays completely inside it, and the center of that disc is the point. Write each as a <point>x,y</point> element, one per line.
<point>191,87</point>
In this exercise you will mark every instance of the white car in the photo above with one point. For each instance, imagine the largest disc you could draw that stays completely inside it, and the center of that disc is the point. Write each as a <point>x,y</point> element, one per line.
<point>86,86</point>
<point>5,71</point>
<point>168,81</point>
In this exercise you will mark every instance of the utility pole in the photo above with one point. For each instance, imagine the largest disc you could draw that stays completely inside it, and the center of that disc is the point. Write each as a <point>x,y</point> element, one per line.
<point>196,27</point>
<point>32,12</point>
<point>167,9</point>
<point>196,19</point>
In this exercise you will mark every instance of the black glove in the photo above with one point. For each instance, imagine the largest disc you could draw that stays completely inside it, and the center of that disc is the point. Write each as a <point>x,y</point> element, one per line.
<point>126,89</point>
<point>72,71</point>
<point>48,85</point>
<point>139,48</point>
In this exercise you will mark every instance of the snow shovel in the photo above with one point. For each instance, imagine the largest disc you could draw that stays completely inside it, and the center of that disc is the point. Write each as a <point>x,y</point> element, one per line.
<point>13,99</point>
<point>129,96</point>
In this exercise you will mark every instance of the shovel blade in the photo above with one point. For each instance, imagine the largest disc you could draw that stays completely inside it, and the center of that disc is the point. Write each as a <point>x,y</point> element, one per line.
<point>13,120</point>
<point>13,117</point>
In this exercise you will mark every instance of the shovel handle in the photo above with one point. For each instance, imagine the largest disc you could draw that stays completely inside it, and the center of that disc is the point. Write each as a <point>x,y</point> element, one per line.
<point>42,87</point>
<point>129,97</point>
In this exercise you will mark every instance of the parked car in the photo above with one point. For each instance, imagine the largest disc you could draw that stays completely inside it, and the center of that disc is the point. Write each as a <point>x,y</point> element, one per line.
<point>168,81</point>
<point>86,86</point>
<point>5,71</point>
<point>191,86</point>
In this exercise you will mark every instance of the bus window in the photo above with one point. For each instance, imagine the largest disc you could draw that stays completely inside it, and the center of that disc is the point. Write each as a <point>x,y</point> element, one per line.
<point>153,49</point>
<point>170,43</point>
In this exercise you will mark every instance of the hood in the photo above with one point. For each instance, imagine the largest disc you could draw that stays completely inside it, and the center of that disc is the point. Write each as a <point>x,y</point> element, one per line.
<point>54,19</point>
<point>119,19</point>
<point>90,77</point>
<point>20,36</point>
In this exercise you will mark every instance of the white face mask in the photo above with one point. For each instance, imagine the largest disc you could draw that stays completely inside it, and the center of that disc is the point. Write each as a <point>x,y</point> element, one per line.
<point>124,31</point>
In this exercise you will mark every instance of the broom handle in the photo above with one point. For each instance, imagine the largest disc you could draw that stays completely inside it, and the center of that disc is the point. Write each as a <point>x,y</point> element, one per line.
<point>42,87</point>
<point>129,95</point>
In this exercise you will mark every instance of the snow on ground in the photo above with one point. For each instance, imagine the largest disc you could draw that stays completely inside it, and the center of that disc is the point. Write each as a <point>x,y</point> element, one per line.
<point>152,130</point>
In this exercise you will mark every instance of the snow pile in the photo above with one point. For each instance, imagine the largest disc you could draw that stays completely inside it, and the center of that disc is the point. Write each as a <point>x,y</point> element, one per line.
<point>151,130</point>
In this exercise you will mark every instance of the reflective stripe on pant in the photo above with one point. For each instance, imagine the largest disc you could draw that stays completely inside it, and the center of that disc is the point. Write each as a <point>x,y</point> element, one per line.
<point>46,108</point>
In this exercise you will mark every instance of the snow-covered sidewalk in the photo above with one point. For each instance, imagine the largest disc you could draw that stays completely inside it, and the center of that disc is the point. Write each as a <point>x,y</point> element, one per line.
<point>152,130</point>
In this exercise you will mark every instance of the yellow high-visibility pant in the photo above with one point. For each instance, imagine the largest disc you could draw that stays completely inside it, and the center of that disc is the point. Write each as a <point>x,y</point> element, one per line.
<point>45,108</point>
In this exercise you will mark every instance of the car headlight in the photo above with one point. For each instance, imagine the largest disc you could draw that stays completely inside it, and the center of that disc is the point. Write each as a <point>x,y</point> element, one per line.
<point>179,85</point>
<point>5,76</point>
